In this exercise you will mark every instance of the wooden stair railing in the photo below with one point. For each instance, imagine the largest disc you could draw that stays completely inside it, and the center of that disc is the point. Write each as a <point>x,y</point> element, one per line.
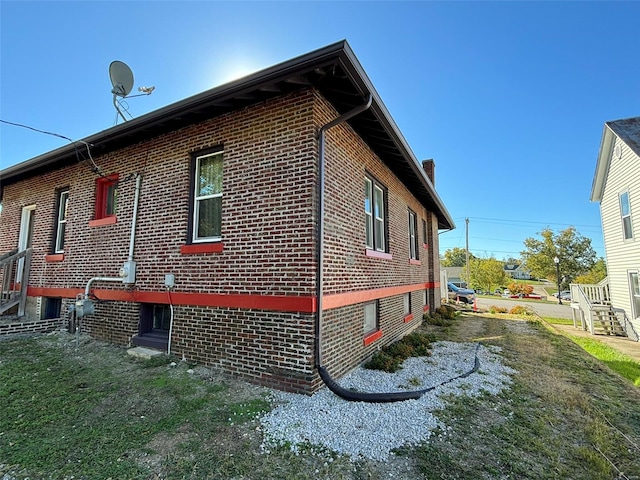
<point>12,293</point>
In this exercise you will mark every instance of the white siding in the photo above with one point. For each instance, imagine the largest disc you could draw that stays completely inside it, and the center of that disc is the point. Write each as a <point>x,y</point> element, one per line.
<point>622,255</point>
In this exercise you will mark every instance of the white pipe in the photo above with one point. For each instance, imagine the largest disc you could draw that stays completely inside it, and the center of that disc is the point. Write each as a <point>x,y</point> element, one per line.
<point>170,321</point>
<point>100,279</point>
<point>134,218</point>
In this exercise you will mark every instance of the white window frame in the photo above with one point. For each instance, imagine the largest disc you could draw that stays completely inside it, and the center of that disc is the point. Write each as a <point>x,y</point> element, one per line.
<point>199,198</point>
<point>61,220</point>
<point>375,215</point>
<point>368,212</point>
<point>379,219</point>
<point>407,303</point>
<point>370,314</point>
<point>413,235</point>
<point>624,218</point>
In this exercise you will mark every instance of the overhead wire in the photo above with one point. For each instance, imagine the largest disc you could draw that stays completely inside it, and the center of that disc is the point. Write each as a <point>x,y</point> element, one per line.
<point>95,168</point>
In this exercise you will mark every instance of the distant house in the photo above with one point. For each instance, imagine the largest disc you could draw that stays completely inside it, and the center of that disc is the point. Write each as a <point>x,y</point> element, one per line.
<point>199,228</point>
<point>517,271</point>
<point>454,275</point>
<point>616,185</point>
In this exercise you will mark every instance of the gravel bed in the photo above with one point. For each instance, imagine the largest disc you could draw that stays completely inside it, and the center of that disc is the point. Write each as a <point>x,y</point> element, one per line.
<point>373,430</point>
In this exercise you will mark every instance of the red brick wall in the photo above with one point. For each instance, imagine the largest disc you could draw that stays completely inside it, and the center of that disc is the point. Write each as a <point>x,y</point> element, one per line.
<point>268,229</point>
<point>267,208</point>
<point>347,266</point>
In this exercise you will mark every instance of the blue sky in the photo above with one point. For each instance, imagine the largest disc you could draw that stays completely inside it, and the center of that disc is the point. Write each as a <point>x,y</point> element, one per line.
<point>508,98</point>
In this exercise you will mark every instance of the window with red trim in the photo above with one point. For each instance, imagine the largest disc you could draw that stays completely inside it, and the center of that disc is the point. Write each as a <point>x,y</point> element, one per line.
<point>370,317</point>
<point>106,197</point>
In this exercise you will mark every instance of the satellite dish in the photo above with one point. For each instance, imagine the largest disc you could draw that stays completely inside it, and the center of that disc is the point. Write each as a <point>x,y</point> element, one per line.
<point>122,82</point>
<point>121,78</point>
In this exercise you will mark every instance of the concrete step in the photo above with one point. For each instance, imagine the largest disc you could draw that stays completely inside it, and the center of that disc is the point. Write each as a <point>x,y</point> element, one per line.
<point>144,353</point>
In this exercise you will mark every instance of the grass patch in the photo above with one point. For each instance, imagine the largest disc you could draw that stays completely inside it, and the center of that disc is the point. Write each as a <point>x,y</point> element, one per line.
<point>615,360</point>
<point>97,413</point>
<point>549,425</point>
<point>558,321</point>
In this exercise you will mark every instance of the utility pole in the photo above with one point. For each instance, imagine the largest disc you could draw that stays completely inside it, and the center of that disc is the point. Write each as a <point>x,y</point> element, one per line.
<point>466,221</point>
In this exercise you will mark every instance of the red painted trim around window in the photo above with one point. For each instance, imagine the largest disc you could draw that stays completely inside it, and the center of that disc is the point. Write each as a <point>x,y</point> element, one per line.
<point>102,190</point>
<point>375,254</point>
<point>408,318</point>
<point>56,257</point>
<point>372,337</point>
<point>413,261</point>
<point>425,308</point>
<point>103,221</point>
<point>425,246</point>
<point>194,248</point>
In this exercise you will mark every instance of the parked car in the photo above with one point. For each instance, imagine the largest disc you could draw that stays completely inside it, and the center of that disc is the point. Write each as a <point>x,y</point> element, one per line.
<point>564,295</point>
<point>533,296</point>
<point>462,294</point>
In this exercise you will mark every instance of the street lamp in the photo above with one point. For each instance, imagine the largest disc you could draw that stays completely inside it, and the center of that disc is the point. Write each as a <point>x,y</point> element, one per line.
<point>556,260</point>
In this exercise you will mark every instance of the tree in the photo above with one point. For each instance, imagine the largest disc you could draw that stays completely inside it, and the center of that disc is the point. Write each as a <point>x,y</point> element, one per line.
<point>597,273</point>
<point>512,261</point>
<point>486,273</point>
<point>455,257</point>
<point>518,287</point>
<point>574,251</point>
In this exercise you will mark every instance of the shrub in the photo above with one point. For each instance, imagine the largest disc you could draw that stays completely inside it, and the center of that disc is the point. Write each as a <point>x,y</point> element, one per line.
<point>517,287</point>
<point>390,358</point>
<point>496,309</point>
<point>520,310</point>
<point>399,350</point>
<point>436,319</point>
<point>447,311</point>
<point>383,361</point>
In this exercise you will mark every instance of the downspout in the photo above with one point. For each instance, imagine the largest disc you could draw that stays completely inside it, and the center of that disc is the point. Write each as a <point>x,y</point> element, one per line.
<point>134,220</point>
<point>320,219</point>
<point>322,371</point>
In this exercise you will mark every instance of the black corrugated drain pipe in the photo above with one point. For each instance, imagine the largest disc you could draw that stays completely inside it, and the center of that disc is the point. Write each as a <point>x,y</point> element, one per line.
<point>322,371</point>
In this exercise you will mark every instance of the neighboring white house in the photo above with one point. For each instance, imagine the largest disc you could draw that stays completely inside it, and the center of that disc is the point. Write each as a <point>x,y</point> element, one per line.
<point>616,185</point>
<point>517,271</point>
<point>454,275</point>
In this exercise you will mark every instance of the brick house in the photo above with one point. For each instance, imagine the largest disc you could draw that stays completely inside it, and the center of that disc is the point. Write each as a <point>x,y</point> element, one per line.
<point>218,196</point>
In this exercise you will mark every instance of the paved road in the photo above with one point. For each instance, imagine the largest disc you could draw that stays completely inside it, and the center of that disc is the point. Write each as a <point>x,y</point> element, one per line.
<point>541,308</point>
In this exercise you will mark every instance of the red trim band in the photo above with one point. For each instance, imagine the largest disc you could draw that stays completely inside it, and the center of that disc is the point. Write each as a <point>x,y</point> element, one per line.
<point>195,248</point>
<point>278,303</point>
<point>54,257</point>
<point>372,337</point>
<point>375,254</point>
<point>351,298</point>
<point>413,261</point>
<point>408,318</point>
<point>103,221</point>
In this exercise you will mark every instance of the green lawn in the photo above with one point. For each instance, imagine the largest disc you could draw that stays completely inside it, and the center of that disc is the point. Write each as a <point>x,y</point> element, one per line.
<point>615,360</point>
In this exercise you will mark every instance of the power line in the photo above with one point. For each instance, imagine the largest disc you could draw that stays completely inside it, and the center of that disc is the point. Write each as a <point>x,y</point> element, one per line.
<point>96,169</point>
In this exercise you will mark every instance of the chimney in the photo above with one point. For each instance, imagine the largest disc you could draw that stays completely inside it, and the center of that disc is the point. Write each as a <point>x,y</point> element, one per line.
<point>429,167</point>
